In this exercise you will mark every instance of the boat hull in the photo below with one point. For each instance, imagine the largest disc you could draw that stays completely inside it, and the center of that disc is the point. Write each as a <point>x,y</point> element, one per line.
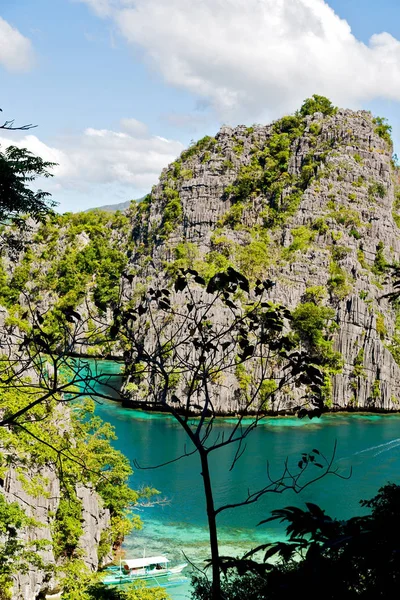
<point>122,579</point>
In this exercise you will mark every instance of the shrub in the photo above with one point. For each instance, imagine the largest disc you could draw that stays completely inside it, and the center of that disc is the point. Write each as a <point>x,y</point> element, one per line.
<point>320,225</point>
<point>380,264</point>
<point>317,104</point>
<point>315,294</point>
<point>337,282</point>
<point>380,326</point>
<point>206,143</point>
<point>302,238</point>
<point>346,216</point>
<point>355,233</point>
<point>254,258</point>
<point>376,189</point>
<point>313,325</point>
<point>361,258</point>
<point>172,213</point>
<point>340,252</point>
<point>358,369</point>
<point>383,129</point>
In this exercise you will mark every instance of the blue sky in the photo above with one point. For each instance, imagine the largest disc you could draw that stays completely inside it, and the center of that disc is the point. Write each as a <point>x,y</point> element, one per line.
<point>119,87</point>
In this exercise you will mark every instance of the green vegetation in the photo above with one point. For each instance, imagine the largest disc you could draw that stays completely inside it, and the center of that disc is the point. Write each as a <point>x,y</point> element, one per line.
<point>320,225</point>
<point>18,168</point>
<point>315,294</point>
<point>376,390</point>
<point>136,591</point>
<point>338,283</point>
<point>355,233</point>
<point>172,212</point>
<point>15,556</point>
<point>317,104</point>
<point>83,455</point>
<point>383,129</point>
<point>206,143</point>
<point>345,216</point>
<point>353,559</point>
<point>361,258</point>
<point>376,189</point>
<point>267,173</point>
<point>380,263</point>
<point>380,326</point>
<point>396,207</point>
<point>358,368</point>
<point>302,239</point>
<point>72,257</point>
<point>339,252</point>
<point>314,324</point>
<point>254,258</point>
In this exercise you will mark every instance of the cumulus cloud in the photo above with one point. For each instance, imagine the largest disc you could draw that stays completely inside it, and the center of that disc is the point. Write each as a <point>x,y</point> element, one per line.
<point>16,52</point>
<point>255,59</point>
<point>104,157</point>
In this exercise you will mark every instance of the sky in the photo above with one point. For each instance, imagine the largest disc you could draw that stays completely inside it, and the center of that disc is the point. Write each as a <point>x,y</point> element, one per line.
<point>118,88</point>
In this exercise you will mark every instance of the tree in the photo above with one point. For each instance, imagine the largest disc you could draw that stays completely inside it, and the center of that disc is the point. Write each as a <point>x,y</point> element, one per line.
<point>9,125</point>
<point>185,348</point>
<point>354,559</point>
<point>317,104</point>
<point>18,169</point>
<point>39,378</point>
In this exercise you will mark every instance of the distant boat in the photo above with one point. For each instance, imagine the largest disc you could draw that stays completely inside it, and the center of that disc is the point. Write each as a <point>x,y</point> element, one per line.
<point>141,568</point>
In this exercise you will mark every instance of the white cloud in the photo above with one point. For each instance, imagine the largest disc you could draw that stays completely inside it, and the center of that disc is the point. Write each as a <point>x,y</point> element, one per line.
<point>16,52</point>
<point>134,127</point>
<point>100,157</point>
<point>255,59</point>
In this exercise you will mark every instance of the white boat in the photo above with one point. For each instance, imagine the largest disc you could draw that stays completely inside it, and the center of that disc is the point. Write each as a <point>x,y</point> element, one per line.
<point>141,568</point>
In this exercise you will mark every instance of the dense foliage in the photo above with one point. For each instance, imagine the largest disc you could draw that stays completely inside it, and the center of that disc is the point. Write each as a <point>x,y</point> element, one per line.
<point>18,168</point>
<point>77,446</point>
<point>354,559</point>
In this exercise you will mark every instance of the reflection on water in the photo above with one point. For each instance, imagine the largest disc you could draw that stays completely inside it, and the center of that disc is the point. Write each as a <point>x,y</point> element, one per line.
<point>367,444</point>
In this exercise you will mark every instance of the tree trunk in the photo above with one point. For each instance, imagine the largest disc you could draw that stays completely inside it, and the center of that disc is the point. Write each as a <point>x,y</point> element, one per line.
<point>212,526</point>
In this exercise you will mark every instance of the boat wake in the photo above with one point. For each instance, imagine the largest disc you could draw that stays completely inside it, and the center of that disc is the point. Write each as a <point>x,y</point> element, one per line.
<point>386,447</point>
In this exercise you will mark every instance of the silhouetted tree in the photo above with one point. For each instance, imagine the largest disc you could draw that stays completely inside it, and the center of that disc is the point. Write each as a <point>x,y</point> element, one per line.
<point>18,169</point>
<point>354,559</point>
<point>179,354</point>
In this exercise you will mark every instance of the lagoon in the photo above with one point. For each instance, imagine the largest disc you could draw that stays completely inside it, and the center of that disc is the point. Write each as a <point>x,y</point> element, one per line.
<point>368,446</point>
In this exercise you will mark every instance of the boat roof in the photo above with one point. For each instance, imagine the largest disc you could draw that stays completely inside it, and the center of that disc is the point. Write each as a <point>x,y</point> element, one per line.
<point>136,563</point>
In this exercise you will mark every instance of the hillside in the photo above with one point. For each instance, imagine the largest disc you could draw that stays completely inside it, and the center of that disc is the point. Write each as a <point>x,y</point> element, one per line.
<point>114,207</point>
<point>308,201</point>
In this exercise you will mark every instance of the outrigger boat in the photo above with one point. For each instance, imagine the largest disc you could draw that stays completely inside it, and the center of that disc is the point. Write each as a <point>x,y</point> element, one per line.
<point>141,568</point>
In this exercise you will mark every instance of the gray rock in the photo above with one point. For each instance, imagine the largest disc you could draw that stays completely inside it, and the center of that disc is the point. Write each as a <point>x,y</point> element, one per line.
<point>357,161</point>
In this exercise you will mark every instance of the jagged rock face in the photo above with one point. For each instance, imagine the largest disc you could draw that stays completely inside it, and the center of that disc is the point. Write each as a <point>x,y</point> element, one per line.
<point>28,585</point>
<point>337,236</point>
<point>43,509</point>
<point>95,519</point>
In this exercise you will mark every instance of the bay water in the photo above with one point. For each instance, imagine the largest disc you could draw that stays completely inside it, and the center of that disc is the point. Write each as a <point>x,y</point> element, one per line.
<point>367,457</point>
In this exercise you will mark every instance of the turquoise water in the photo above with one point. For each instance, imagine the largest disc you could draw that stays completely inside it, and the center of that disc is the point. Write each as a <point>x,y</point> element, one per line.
<point>367,444</point>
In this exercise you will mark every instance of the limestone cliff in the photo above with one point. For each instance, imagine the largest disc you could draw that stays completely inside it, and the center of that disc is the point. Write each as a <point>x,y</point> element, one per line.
<point>43,508</point>
<point>306,201</point>
<point>37,481</point>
